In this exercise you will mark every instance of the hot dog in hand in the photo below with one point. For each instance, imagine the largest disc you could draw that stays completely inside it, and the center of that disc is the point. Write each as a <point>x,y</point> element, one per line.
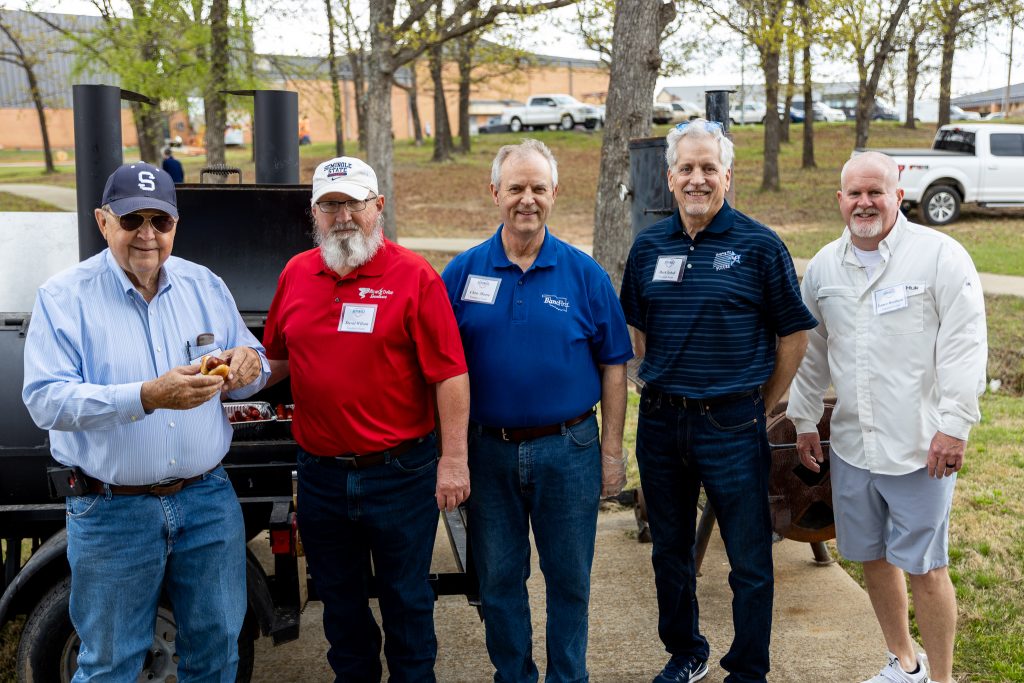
<point>211,365</point>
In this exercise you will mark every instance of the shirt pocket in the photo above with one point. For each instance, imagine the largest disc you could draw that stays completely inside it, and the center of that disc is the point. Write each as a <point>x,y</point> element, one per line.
<point>909,320</point>
<point>838,306</point>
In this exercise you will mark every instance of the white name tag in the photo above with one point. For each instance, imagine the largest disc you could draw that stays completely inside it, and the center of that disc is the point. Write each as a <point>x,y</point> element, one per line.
<point>480,289</point>
<point>357,318</point>
<point>890,299</point>
<point>669,269</point>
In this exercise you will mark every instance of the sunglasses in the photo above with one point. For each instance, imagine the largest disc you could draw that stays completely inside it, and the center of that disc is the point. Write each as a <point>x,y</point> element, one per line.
<point>709,126</point>
<point>353,205</point>
<point>161,222</point>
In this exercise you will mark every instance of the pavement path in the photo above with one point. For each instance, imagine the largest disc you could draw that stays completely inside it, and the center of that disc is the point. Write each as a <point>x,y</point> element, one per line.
<point>61,197</point>
<point>824,628</point>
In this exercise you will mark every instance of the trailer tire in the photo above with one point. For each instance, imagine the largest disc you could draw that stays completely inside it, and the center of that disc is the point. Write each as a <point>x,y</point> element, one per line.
<point>48,650</point>
<point>940,205</point>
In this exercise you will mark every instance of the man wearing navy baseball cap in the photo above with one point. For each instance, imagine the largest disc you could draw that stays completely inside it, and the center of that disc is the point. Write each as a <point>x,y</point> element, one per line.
<point>112,371</point>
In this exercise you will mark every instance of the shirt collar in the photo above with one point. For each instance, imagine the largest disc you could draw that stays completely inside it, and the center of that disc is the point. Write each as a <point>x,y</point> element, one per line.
<point>375,267</point>
<point>163,280</point>
<point>886,247</point>
<point>546,258</point>
<point>723,220</point>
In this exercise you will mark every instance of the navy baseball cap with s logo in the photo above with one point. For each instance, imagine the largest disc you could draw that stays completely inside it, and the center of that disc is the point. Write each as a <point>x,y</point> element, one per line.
<point>138,186</point>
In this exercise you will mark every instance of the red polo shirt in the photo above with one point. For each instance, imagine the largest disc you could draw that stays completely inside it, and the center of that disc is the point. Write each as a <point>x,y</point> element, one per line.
<point>364,351</point>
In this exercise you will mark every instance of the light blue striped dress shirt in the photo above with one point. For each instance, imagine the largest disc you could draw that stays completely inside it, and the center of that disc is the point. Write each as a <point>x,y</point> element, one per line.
<point>92,342</point>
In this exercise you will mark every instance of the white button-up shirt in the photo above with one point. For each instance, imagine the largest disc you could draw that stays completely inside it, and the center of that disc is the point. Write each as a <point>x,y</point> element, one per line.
<point>906,349</point>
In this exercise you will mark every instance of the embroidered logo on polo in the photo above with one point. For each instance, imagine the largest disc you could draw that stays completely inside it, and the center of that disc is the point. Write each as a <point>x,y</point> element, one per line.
<point>725,260</point>
<point>370,293</point>
<point>559,303</point>
<point>337,169</point>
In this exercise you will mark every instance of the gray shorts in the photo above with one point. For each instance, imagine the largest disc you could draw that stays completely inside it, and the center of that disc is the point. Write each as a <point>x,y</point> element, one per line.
<point>901,518</point>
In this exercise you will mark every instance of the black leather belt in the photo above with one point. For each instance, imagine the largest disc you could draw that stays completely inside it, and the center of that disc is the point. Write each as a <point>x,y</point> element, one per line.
<point>677,401</point>
<point>528,433</point>
<point>161,488</point>
<point>352,461</point>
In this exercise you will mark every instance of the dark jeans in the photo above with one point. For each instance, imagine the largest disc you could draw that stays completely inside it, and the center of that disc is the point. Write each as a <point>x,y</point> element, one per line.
<point>387,513</point>
<point>725,448</point>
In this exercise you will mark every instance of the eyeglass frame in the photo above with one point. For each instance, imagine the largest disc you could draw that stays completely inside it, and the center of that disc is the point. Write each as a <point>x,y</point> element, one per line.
<point>709,126</point>
<point>145,219</point>
<point>347,203</point>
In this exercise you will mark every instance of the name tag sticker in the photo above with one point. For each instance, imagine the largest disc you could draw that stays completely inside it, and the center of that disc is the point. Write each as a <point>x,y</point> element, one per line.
<point>669,269</point>
<point>480,289</point>
<point>890,299</point>
<point>357,318</point>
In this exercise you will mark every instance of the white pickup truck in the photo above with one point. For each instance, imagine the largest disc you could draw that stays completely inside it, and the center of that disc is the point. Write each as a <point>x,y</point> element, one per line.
<point>968,162</point>
<point>542,111</point>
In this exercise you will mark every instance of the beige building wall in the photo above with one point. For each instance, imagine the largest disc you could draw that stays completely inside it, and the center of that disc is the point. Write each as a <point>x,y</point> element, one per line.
<point>19,129</point>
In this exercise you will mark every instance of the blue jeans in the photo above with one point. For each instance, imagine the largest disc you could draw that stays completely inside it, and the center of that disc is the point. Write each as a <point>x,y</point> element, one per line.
<point>125,550</point>
<point>725,448</point>
<point>554,483</point>
<point>387,513</point>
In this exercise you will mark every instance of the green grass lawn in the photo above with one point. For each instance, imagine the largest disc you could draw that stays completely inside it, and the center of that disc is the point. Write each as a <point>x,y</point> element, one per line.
<point>15,202</point>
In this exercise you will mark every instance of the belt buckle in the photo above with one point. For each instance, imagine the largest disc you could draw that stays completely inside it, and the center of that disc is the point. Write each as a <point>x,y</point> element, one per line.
<point>504,435</point>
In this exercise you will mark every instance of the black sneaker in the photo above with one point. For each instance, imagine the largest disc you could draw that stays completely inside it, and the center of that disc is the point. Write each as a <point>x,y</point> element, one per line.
<point>684,669</point>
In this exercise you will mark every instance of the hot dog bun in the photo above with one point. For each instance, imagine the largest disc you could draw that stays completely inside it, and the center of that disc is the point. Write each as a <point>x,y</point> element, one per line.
<point>211,365</point>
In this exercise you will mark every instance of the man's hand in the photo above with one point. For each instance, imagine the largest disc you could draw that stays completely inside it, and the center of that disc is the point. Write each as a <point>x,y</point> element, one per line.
<point>808,447</point>
<point>945,455</point>
<point>245,367</point>
<point>180,388</point>
<point>452,482</point>
<point>613,472</point>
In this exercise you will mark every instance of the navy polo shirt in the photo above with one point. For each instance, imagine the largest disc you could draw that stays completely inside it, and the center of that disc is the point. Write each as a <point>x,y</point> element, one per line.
<point>534,340</point>
<point>712,332</point>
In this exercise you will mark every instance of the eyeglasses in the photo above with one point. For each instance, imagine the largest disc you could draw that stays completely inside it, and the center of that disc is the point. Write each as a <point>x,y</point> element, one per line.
<point>709,126</point>
<point>353,205</point>
<point>161,222</point>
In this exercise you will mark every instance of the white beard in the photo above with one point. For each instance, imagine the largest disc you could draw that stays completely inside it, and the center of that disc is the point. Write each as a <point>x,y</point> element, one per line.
<point>873,229</point>
<point>342,250</point>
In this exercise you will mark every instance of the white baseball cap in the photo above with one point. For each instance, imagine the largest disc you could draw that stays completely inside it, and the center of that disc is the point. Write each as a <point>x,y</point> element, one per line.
<point>346,175</point>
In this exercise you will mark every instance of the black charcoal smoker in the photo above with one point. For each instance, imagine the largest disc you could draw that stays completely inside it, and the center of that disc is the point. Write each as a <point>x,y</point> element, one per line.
<point>801,500</point>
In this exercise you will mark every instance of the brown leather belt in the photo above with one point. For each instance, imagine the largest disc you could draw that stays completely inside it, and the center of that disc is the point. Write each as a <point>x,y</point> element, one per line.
<point>161,488</point>
<point>528,433</point>
<point>352,461</point>
<point>686,403</point>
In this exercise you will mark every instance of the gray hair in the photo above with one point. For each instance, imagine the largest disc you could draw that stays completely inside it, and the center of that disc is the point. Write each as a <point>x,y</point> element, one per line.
<point>881,161</point>
<point>522,149</point>
<point>699,128</point>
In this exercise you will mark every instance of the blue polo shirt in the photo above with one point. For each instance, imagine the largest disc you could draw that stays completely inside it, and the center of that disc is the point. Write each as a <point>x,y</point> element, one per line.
<point>711,322</point>
<point>534,340</point>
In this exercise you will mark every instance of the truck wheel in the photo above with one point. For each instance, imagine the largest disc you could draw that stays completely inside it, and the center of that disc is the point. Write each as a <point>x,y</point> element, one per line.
<point>48,651</point>
<point>940,205</point>
<point>567,123</point>
<point>515,125</point>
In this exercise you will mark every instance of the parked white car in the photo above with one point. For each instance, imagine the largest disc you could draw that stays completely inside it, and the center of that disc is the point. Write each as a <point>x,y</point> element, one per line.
<point>967,162</point>
<point>750,112</point>
<point>542,111</point>
<point>661,113</point>
<point>686,111</point>
<point>927,111</point>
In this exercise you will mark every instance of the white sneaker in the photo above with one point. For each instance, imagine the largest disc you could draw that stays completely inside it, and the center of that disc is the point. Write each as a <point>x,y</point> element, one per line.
<point>894,673</point>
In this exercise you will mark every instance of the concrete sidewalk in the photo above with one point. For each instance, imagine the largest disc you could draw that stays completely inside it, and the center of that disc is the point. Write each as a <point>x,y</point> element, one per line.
<point>63,198</point>
<point>824,627</point>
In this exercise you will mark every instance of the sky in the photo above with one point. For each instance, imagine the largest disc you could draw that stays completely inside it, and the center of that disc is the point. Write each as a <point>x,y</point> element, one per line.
<point>297,28</point>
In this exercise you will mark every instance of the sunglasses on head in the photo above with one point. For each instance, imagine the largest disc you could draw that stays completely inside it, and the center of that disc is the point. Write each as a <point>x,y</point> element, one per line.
<point>709,126</point>
<point>133,221</point>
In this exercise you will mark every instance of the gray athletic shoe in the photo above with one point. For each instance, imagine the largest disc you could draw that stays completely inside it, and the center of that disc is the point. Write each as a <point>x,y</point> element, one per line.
<point>894,673</point>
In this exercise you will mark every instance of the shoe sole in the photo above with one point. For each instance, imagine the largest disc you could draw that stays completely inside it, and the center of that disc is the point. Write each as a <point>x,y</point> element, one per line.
<point>696,676</point>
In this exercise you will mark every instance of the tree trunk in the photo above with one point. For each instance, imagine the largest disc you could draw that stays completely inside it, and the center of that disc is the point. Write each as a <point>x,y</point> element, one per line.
<point>357,60</point>
<point>332,62</point>
<point>808,156</point>
<point>26,64</point>
<point>865,102</point>
<point>913,66</point>
<point>215,102</point>
<point>949,34</point>
<point>790,87</point>
<point>630,94</point>
<point>465,82</point>
<point>443,143</point>
<point>414,104</point>
<point>379,141</point>
<point>770,65</point>
<point>1005,108</point>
